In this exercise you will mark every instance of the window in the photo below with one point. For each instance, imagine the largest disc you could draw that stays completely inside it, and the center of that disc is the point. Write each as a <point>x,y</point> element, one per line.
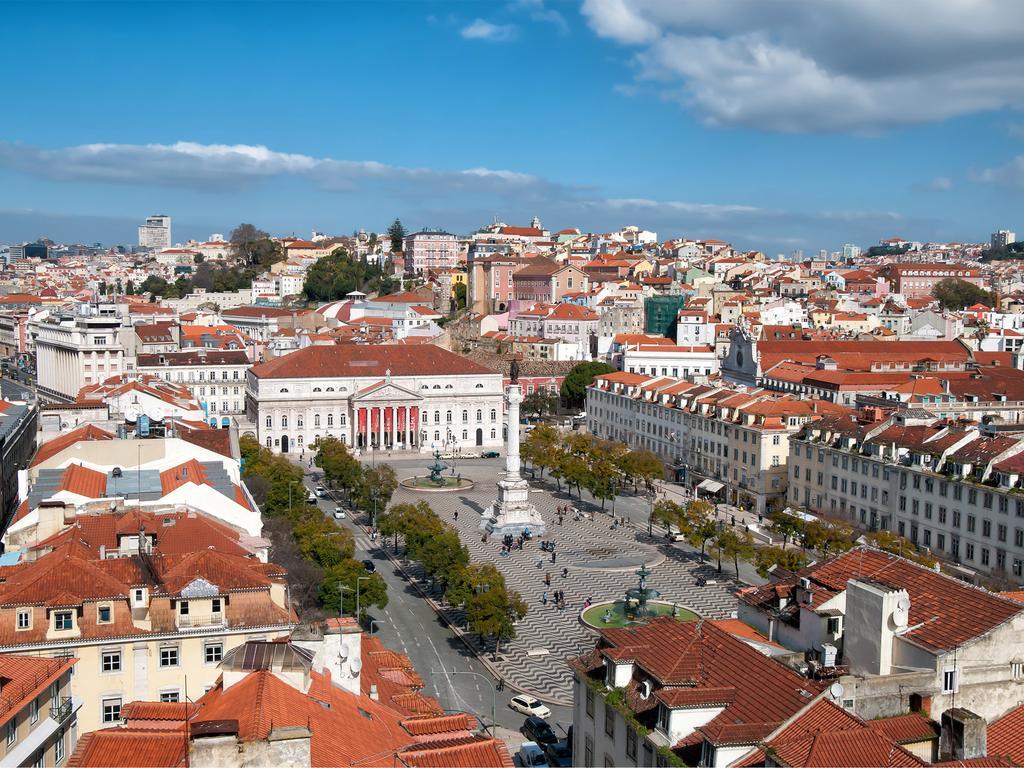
<point>215,605</point>
<point>12,731</point>
<point>24,619</point>
<point>111,661</point>
<point>630,743</point>
<point>33,711</point>
<point>494,415</point>
<point>103,615</point>
<point>950,683</point>
<point>213,652</point>
<point>590,702</point>
<point>269,422</point>
<point>986,529</point>
<point>1017,669</point>
<point>111,710</point>
<point>588,750</point>
<point>169,656</point>
<point>169,697</point>
<point>609,721</point>
<point>62,620</point>
<point>183,608</point>
<point>58,747</point>
<point>479,415</point>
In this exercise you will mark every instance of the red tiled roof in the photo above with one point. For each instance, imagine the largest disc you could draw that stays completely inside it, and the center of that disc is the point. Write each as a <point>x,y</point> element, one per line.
<point>24,678</point>
<point>370,360</point>
<point>906,729</point>
<point>126,748</point>
<point>51,448</point>
<point>1006,736</point>
<point>81,480</point>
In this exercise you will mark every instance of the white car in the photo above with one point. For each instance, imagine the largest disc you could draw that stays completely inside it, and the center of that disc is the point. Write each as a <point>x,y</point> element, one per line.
<point>339,513</point>
<point>528,705</point>
<point>320,491</point>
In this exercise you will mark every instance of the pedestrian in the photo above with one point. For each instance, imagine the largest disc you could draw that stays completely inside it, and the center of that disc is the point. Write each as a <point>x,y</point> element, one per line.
<point>547,579</point>
<point>540,562</point>
<point>544,598</point>
<point>553,555</point>
<point>501,684</point>
<point>456,514</point>
<point>565,572</point>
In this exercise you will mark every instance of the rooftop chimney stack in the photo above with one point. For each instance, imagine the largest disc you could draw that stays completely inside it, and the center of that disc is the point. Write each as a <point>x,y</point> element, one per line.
<point>964,735</point>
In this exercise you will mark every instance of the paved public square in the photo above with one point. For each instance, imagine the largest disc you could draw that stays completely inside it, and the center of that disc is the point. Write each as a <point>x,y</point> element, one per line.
<point>601,560</point>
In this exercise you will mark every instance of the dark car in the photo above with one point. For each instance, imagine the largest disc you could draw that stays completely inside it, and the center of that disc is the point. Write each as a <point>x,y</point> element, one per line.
<point>489,455</point>
<point>559,754</point>
<point>535,728</point>
<point>370,566</point>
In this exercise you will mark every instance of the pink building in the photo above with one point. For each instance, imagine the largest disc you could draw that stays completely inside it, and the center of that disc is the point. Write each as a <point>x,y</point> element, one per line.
<point>431,249</point>
<point>545,281</point>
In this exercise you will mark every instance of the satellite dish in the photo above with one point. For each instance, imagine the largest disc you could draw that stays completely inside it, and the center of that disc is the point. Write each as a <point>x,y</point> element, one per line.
<point>355,665</point>
<point>343,652</point>
<point>836,690</point>
<point>899,618</point>
<point>903,604</point>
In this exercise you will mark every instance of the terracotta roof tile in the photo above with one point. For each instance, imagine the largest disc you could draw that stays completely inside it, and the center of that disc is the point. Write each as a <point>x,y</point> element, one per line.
<point>364,361</point>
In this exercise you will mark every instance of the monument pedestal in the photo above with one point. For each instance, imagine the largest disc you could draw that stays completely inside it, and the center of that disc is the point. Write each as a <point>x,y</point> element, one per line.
<point>512,512</point>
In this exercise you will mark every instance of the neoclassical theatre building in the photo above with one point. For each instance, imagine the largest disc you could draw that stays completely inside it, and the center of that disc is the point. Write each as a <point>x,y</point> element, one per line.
<point>386,397</point>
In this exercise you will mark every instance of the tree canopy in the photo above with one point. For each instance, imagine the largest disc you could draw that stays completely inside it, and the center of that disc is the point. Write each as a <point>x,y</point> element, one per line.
<point>334,276</point>
<point>954,293</point>
<point>397,234</point>
<point>574,387</point>
<point>539,403</point>
<point>254,247</point>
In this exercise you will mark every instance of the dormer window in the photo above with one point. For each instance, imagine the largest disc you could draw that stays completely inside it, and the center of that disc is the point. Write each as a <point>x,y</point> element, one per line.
<point>62,620</point>
<point>183,608</point>
<point>664,713</point>
<point>24,619</point>
<point>104,614</point>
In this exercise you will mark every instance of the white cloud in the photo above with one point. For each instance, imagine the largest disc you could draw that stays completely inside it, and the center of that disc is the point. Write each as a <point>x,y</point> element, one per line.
<point>1010,174</point>
<point>856,66</point>
<point>459,198</point>
<point>539,12</point>
<point>481,29</point>
<point>941,184</point>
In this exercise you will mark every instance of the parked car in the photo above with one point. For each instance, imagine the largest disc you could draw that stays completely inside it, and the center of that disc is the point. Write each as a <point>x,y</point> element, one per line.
<point>320,491</point>
<point>531,755</point>
<point>339,513</point>
<point>559,754</point>
<point>311,499</point>
<point>528,705</point>
<point>674,534</point>
<point>370,566</point>
<point>489,455</point>
<point>535,728</point>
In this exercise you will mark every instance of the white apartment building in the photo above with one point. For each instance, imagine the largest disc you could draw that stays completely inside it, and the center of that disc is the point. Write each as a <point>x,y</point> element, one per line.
<point>216,378</point>
<point>256,322</point>
<point>696,362</point>
<point>1003,238</point>
<point>430,249</point>
<point>155,232</point>
<point>949,488</point>
<point>732,442</point>
<point>388,396</point>
<point>73,350</point>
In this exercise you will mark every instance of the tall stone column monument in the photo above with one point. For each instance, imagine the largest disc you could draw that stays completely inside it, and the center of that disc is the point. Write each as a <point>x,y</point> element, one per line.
<point>513,511</point>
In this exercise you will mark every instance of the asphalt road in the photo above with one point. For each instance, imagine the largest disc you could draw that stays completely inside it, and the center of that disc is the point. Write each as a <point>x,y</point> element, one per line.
<point>410,626</point>
<point>13,390</point>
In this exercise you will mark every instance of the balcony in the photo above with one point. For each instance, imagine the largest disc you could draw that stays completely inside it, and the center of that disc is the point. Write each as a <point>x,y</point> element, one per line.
<point>61,711</point>
<point>208,620</point>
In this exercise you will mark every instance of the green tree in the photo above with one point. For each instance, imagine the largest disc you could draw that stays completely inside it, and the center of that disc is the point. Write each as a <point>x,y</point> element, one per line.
<point>397,234</point>
<point>574,387</point>
<point>670,514</point>
<point>322,542</point>
<point>700,526</point>
<point>491,608</point>
<point>460,295</point>
<point>539,403</point>
<point>642,466</point>
<point>734,546</point>
<point>130,288</point>
<point>334,276</point>
<point>895,544</point>
<point>102,287</point>
<point>788,559</point>
<point>198,258</point>
<point>341,468</point>
<point>372,591</point>
<point>375,487</point>
<point>254,247</point>
<point>540,447</point>
<point>443,556</point>
<point>788,526</point>
<point>954,293</point>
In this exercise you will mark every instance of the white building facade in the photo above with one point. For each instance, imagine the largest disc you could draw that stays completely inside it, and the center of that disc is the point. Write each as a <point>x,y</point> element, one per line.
<point>155,232</point>
<point>388,397</point>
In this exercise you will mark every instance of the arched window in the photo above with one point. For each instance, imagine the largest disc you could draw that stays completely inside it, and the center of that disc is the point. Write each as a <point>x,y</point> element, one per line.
<point>299,421</point>
<point>423,436</point>
<point>492,434</point>
<point>448,386</point>
<point>494,415</point>
<point>426,418</point>
<point>270,422</point>
<point>437,437</point>
<point>465,416</point>
<point>330,389</point>
<point>300,439</point>
<point>317,389</point>
<point>284,422</point>
<point>316,419</point>
<point>437,417</point>
<point>437,386</point>
<point>448,417</point>
<point>330,419</point>
<point>283,389</point>
<point>269,442</point>
<point>465,435</point>
<point>479,415</point>
<point>344,439</point>
<point>343,419</point>
<point>479,386</point>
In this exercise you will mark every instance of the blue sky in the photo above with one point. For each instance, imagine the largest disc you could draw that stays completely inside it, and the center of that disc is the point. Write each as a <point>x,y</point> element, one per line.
<point>781,127</point>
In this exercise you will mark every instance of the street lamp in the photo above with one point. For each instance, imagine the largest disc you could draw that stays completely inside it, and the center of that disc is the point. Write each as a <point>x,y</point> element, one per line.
<point>358,579</point>
<point>342,589</point>
<point>493,694</point>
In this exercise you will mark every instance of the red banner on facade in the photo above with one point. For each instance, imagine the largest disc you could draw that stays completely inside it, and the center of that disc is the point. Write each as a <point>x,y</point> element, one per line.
<point>374,420</point>
<point>387,421</point>
<point>414,418</point>
<point>401,419</point>
<point>362,421</point>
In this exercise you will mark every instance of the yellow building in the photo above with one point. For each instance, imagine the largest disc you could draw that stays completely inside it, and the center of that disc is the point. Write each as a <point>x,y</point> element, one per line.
<point>38,718</point>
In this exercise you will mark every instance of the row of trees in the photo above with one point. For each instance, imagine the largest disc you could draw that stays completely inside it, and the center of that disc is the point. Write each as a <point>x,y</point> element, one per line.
<point>367,488</point>
<point>696,522</point>
<point>319,556</point>
<point>603,467</point>
<point>491,608</point>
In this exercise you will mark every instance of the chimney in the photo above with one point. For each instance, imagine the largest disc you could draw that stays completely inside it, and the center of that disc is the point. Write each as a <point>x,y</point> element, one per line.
<point>373,692</point>
<point>964,735</point>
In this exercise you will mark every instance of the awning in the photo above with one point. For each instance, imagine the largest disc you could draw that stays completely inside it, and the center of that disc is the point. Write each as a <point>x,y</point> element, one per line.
<point>711,486</point>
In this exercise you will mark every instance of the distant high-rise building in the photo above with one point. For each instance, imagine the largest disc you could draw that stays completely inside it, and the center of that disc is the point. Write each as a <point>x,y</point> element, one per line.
<point>156,232</point>
<point>823,254</point>
<point>851,251</point>
<point>1003,238</point>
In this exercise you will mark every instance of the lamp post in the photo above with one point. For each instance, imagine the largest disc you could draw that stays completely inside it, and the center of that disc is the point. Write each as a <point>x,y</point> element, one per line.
<point>358,579</point>
<point>493,694</point>
<point>342,589</point>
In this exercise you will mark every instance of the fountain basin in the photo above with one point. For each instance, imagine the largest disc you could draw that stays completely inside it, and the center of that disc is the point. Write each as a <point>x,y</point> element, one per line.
<point>425,484</point>
<point>593,617</point>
